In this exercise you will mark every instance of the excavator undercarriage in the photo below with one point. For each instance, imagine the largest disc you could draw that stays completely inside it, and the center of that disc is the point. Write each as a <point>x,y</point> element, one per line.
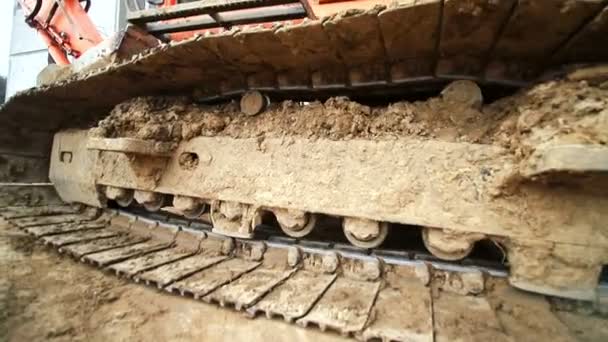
<point>534,196</point>
<point>439,127</point>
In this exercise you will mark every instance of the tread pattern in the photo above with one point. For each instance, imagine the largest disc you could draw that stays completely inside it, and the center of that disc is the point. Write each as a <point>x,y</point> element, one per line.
<point>402,304</point>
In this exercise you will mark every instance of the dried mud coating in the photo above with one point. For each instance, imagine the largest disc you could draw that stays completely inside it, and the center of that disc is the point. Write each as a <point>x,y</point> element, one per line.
<point>550,113</point>
<point>465,318</point>
<point>44,297</point>
<point>22,169</point>
<point>296,296</point>
<point>585,328</point>
<point>521,313</point>
<point>553,113</point>
<point>402,310</point>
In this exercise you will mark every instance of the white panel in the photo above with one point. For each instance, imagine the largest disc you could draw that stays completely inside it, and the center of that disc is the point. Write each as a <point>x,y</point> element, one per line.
<point>104,15</point>
<point>6,24</point>
<point>24,70</point>
<point>24,38</point>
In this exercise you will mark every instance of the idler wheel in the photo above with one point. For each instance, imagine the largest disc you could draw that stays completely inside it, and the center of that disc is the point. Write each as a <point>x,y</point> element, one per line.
<point>253,103</point>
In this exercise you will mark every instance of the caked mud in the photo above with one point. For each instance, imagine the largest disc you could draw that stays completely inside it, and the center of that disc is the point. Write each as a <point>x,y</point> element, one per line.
<point>459,170</point>
<point>45,297</point>
<point>559,112</point>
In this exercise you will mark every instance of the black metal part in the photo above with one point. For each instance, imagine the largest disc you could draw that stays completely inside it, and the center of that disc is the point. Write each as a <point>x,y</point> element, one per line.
<point>52,13</point>
<point>34,12</point>
<point>199,8</point>
<point>87,5</point>
<point>228,19</point>
<point>309,12</point>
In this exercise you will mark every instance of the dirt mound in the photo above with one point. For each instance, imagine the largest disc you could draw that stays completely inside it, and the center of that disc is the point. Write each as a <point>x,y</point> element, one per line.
<point>552,112</point>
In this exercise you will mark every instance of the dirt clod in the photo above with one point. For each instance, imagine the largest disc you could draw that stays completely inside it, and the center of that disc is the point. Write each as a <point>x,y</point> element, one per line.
<point>549,113</point>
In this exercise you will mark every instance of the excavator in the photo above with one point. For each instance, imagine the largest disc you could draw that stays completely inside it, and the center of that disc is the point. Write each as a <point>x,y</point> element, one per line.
<point>410,170</point>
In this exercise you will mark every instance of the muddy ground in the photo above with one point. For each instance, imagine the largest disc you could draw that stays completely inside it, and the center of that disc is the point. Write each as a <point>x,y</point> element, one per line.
<point>46,297</point>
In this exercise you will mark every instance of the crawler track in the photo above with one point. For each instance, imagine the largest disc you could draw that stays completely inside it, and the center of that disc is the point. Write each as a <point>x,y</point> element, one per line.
<point>405,48</point>
<point>377,296</point>
<point>408,47</point>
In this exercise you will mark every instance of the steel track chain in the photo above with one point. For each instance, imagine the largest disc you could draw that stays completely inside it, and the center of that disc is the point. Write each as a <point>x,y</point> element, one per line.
<point>388,297</point>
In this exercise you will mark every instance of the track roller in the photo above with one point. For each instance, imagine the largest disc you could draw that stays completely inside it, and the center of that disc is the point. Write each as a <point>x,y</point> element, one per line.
<point>253,103</point>
<point>464,92</point>
<point>234,219</point>
<point>364,233</point>
<point>190,207</point>
<point>449,245</point>
<point>122,196</point>
<point>295,223</point>
<point>152,201</point>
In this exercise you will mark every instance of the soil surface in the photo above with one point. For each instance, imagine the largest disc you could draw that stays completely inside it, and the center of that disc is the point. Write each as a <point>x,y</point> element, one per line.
<point>46,297</point>
<point>552,112</point>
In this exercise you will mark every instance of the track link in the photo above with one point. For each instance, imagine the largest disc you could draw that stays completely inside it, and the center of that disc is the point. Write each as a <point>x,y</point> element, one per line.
<point>357,295</point>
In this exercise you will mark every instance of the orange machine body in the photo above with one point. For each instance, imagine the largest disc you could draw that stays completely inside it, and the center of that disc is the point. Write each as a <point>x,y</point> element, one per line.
<point>317,9</point>
<point>68,31</point>
<point>64,26</point>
